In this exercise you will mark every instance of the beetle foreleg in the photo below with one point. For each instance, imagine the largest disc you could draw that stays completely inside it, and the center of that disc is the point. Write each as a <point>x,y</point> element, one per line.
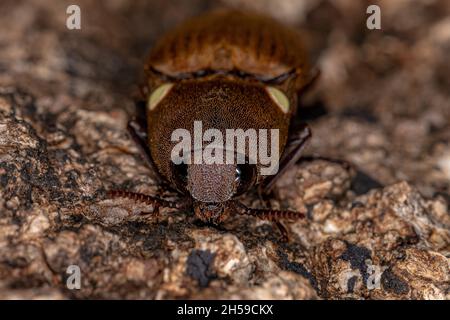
<point>294,147</point>
<point>139,135</point>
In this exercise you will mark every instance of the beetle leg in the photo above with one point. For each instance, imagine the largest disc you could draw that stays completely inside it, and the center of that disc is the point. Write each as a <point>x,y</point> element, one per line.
<point>284,232</point>
<point>139,135</point>
<point>155,212</point>
<point>149,200</point>
<point>294,147</point>
<point>263,197</point>
<point>311,81</point>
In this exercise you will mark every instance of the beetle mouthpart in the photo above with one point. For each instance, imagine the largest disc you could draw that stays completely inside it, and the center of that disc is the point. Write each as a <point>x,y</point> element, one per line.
<point>214,213</point>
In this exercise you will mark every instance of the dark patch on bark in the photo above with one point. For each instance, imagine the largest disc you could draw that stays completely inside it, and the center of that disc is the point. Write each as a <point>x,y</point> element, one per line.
<point>357,257</point>
<point>392,283</point>
<point>296,267</point>
<point>199,266</point>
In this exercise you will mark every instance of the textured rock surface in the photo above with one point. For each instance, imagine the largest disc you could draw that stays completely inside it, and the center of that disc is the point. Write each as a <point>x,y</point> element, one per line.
<point>378,219</point>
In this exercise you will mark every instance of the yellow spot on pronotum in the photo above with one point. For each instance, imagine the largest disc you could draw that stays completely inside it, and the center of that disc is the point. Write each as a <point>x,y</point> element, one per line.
<point>158,95</point>
<point>280,98</point>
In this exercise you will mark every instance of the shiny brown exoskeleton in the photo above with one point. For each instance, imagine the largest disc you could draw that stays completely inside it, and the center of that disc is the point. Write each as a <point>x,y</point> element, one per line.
<point>229,70</point>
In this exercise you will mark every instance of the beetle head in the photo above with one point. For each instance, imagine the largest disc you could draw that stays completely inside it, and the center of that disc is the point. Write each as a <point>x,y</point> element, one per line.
<point>213,185</point>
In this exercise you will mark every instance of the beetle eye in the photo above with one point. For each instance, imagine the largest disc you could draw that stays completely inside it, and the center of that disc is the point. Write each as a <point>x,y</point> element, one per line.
<point>279,98</point>
<point>157,95</point>
<point>245,177</point>
<point>180,175</point>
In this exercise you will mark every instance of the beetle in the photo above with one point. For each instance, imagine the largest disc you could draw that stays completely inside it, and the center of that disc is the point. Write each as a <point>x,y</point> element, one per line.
<point>228,69</point>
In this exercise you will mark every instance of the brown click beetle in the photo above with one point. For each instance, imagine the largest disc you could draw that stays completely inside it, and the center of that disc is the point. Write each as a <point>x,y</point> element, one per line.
<point>227,69</point>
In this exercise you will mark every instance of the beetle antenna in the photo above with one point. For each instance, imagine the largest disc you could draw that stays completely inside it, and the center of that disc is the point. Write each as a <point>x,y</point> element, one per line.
<point>269,214</point>
<point>143,198</point>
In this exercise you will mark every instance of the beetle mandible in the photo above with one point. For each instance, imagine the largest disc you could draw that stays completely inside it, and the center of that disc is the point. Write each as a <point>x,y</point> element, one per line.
<point>228,69</point>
